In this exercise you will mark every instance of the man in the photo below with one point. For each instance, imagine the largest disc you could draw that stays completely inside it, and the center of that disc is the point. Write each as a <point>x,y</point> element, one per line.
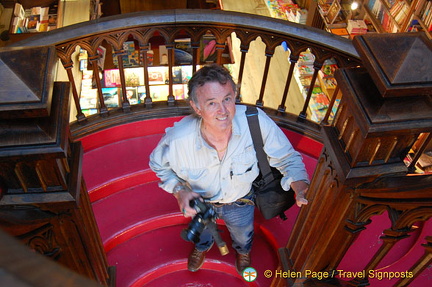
<point>211,155</point>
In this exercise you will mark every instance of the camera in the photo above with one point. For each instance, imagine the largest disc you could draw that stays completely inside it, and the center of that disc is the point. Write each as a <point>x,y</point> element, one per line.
<point>205,218</point>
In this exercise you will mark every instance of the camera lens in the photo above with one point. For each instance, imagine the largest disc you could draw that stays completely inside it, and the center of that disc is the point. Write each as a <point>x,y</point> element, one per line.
<point>193,232</point>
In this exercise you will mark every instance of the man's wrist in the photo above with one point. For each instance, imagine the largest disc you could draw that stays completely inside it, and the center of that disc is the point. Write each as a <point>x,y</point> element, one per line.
<point>177,189</point>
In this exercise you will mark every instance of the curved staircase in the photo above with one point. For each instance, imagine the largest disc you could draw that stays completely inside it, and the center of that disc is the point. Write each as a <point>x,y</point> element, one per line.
<point>140,224</point>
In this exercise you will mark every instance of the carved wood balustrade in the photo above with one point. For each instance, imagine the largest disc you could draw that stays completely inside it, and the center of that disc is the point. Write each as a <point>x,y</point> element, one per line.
<point>143,26</point>
<point>356,172</point>
<point>361,171</point>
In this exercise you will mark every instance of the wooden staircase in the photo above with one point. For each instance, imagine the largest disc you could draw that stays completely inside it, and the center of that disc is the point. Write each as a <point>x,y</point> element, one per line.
<point>140,224</point>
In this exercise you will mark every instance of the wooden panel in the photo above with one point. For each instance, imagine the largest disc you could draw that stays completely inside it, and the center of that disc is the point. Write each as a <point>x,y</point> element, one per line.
<point>401,71</point>
<point>26,82</point>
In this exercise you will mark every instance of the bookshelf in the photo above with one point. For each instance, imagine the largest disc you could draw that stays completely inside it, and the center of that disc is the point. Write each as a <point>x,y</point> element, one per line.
<point>68,12</point>
<point>381,16</point>
<point>27,18</point>
<point>323,88</point>
<point>134,71</point>
<point>396,16</point>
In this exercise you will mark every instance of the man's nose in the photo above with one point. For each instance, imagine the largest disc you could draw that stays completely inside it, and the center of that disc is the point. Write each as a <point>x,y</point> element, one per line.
<point>222,108</point>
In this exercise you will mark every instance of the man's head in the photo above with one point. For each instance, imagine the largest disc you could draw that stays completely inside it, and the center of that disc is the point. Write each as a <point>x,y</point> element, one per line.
<point>210,73</point>
<point>212,96</point>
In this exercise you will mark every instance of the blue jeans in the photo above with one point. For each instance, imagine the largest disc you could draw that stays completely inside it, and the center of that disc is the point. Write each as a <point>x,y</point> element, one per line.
<point>239,219</point>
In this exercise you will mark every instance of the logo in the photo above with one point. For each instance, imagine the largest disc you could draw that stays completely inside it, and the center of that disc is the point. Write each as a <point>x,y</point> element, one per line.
<point>249,274</point>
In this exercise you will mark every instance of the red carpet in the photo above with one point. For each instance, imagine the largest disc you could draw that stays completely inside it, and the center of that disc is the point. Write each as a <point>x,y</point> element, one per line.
<point>140,224</point>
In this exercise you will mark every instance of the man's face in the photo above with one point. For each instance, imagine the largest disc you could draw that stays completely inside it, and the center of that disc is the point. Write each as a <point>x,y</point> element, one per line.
<point>216,105</point>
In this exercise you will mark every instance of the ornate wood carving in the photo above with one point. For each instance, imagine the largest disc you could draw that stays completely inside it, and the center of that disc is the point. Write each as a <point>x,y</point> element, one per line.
<point>42,240</point>
<point>361,173</point>
<point>43,200</point>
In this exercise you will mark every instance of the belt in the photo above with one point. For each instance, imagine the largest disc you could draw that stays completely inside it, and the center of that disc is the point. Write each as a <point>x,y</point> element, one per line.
<point>243,200</point>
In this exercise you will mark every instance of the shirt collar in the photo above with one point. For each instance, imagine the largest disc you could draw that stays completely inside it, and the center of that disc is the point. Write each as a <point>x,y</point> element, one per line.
<point>235,129</point>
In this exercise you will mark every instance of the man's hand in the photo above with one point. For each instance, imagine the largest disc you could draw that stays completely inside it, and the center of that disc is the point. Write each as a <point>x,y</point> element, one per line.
<point>300,188</point>
<point>184,195</point>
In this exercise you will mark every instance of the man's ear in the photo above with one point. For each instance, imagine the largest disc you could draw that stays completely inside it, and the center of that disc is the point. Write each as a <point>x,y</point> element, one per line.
<point>196,109</point>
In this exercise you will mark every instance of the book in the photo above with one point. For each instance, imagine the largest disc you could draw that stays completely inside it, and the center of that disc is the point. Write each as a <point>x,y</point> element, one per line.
<point>208,48</point>
<point>177,75</point>
<point>19,11</point>
<point>112,78</point>
<point>157,75</point>
<point>131,57</point>
<point>306,58</point>
<point>134,77</point>
<point>132,95</point>
<point>357,27</point>
<point>111,97</point>
<point>186,74</point>
<point>333,12</point>
<point>182,52</point>
<point>163,55</point>
<point>141,93</point>
<point>102,55</point>
<point>52,20</point>
<point>343,32</point>
<point>328,69</point>
<point>305,70</point>
<point>179,92</point>
<point>33,22</point>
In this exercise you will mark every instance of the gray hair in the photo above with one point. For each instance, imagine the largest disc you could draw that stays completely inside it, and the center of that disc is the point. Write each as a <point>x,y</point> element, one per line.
<point>207,74</point>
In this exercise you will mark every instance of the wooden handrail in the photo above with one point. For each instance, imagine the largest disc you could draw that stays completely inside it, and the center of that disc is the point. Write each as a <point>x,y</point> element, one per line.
<point>192,16</point>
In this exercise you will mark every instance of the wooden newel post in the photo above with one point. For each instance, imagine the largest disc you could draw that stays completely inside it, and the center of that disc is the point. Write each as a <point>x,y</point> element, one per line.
<point>43,198</point>
<point>385,106</point>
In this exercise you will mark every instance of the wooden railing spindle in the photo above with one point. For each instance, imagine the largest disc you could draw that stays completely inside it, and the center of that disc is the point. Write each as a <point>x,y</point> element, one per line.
<point>293,61</point>
<point>260,101</point>
<point>303,113</point>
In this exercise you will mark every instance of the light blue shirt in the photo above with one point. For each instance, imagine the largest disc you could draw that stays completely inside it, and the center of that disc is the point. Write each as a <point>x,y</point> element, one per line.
<point>183,155</point>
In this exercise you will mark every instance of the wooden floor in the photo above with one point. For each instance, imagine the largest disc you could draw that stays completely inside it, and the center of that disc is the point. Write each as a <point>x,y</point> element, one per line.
<point>255,62</point>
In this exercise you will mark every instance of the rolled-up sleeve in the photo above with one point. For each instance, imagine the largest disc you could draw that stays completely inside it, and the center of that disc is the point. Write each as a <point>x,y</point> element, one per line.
<point>281,153</point>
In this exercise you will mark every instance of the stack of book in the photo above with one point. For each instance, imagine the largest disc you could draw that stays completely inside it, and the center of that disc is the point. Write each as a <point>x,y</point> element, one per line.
<point>297,15</point>
<point>35,19</point>
<point>343,32</point>
<point>356,27</point>
<point>399,11</point>
<point>304,70</point>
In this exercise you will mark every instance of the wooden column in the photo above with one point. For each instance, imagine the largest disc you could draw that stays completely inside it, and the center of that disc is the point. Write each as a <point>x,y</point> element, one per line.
<point>43,198</point>
<point>384,108</point>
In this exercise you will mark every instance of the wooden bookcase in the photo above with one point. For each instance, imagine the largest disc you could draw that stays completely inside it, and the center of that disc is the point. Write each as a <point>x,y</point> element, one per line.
<point>391,16</point>
<point>30,17</point>
<point>381,16</point>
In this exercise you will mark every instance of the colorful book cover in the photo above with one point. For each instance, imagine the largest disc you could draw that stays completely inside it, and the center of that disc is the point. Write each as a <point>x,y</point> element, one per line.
<point>208,48</point>
<point>112,78</point>
<point>182,52</point>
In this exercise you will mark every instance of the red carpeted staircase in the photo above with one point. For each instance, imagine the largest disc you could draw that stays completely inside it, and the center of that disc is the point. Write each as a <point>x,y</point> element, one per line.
<point>140,224</point>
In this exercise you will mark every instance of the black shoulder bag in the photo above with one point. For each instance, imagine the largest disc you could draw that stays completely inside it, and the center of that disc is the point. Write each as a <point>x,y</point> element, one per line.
<point>270,198</point>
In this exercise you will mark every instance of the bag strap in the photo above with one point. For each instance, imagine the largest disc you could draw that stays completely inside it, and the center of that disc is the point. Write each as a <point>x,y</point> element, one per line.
<point>255,130</point>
